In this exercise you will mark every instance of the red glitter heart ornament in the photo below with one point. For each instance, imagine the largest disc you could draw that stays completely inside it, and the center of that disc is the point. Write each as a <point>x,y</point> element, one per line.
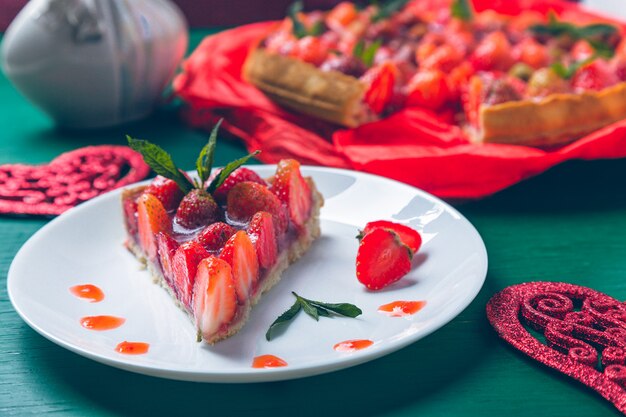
<point>580,326</point>
<point>70,179</point>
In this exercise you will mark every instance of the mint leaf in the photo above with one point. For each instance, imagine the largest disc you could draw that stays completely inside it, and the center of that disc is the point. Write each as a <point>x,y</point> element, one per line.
<point>227,170</point>
<point>160,161</point>
<point>462,9</point>
<point>308,308</point>
<point>299,30</point>
<point>342,309</point>
<point>205,159</point>
<point>568,72</point>
<point>284,318</point>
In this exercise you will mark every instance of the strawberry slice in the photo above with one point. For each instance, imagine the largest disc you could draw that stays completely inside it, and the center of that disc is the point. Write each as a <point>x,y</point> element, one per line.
<point>214,297</point>
<point>262,235</point>
<point>381,81</point>
<point>152,218</point>
<point>239,175</point>
<point>247,198</point>
<point>428,88</point>
<point>410,237</point>
<point>166,248</point>
<point>240,254</point>
<point>291,188</point>
<point>167,191</point>
<point>184,265</point>
<point>130,215</point>
<point>494,52</point>
<point>595,75</point>
<point>215,235</point>
<point>382,259</point>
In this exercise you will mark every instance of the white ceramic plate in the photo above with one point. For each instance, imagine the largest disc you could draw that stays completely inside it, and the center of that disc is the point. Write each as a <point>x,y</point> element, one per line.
<point>84,246</point>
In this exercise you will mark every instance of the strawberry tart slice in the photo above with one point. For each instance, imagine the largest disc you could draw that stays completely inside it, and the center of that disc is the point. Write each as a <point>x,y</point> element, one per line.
<point>217,243</point>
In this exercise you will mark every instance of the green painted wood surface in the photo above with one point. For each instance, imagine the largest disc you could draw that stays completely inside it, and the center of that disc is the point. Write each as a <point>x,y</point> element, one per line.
<point>568,224</point>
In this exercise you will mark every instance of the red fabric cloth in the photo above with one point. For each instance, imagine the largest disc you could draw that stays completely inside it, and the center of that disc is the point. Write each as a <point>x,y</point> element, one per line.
<point>412,146</point>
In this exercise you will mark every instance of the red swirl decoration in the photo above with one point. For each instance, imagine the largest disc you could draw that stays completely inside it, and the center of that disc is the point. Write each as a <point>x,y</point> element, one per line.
<point>70,179</point>
<point>580,326</point>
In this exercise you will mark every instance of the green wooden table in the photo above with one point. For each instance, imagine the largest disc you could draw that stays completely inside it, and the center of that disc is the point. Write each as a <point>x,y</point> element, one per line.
<point>568,224</point>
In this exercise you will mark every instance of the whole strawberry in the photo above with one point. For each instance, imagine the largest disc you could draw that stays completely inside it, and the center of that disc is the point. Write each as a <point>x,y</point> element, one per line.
<point>239,175</point>
<point>197,209</point>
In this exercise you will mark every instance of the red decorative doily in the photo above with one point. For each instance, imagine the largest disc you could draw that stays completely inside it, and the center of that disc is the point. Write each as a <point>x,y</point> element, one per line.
<point>580,326</point>
<point>414,146</point>
<point>70,179</point>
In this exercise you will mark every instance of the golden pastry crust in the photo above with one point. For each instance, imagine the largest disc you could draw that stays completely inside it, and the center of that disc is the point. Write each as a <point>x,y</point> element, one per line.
<point>554,120</point>
<point>300,86</point>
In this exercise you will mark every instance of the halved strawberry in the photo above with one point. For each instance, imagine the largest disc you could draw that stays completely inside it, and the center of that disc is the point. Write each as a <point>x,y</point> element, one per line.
<point>215,235</point>
<point>408,236</point>
<point>262,235</point>
<point>381,80</point>
<point>428,88</point>
<point>492,53</point>
<point>214,297</point>
<point>247,198</point>
<point>166,248</point>
<point>239,175</point>
<point>167,191</point>
<point>240,254</point>
<point>595,75</point>
<point>197,209</point>
<point>293,190</point>
<point>382,259</point>
<point>184,265</point>
<point>152,218</point>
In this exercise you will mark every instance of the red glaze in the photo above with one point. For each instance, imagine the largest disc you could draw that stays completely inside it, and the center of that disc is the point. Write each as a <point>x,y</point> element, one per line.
<point>101,322</point>
<point>352,345</point>
<point>88,292</point>
<point>132,348</point>
<point>402,308</point>
<point>268,361</point>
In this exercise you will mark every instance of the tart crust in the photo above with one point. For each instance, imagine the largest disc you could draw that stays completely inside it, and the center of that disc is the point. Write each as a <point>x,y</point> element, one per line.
<point>298,85</point>
<point>289,255</point>
<point>554,120</point>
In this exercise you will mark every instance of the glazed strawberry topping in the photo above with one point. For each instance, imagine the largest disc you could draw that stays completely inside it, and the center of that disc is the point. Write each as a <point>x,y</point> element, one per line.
<point>239,175</point>
<point>240,254</point>
<point>152,218</point>
<point>184,264</point>
<point>262,235</point>
<point>247,198</point>
<point>197,209</point>
<point>214,236</point>
<point>166,248</point>
<point>292,190</point>
<point>167,191</point>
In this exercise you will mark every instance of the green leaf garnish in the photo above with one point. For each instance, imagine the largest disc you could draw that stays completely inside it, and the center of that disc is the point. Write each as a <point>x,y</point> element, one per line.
<point>567,72</point>
<point>462,9</point>
<point>596,33</point>
<point>227,170</point>
<point>205,159</point>
<point>366,54</point>
<point>161,162</point>
<point>299,30</point>
<point>315,309</point>
<point>388,8</point>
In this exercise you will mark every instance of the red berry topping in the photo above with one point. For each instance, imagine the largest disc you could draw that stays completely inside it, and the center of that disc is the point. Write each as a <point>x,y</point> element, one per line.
<point>492,53</point>
<point>184,264</point>
<point>310,49</point>
<point>166,248</point>
<point>247,198</point>
<point>262,235</point>
<point>130,215</point>
<point>595,75</point>
<point>381,81</point>
<point>292,189</point>
<point>215,235</point>
<point>167,191</point>
<point>214,297</point>
<point>382,259</point>
<point>428,88</point>
<point>410,237</point>
<point>197,209</point>
<point>239,175</point>
<point>240,254</point>
<point>151,219</point>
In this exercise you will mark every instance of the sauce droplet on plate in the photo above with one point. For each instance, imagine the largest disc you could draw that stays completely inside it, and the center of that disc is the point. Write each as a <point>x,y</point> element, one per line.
<point>268,361</point>
<point>101,322</point>
<point>352,345</point>
<point>132,348</point>
<point>402,308</point>
<point>88,292</point>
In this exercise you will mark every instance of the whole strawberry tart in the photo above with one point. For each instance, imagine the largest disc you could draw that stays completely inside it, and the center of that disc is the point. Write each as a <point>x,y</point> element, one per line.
<point>218,242</point>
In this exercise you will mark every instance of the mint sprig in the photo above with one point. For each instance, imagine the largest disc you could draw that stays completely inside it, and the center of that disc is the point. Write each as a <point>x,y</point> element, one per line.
<point>161,162</point>
<point>366,54</point>
<point>567,72</point>
<point>314,309</point>
<point>462,9</point>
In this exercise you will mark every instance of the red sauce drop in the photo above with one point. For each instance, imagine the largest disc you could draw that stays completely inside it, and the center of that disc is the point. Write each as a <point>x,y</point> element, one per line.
<point>88,292</point>
<point>101,322</point>
<point>132,348</point>
<point>268,361</point>
<point>352,345</point>
<point>402,308</point>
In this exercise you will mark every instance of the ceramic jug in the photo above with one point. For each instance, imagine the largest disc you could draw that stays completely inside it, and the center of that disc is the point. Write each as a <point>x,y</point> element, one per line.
<point>94,63</point>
